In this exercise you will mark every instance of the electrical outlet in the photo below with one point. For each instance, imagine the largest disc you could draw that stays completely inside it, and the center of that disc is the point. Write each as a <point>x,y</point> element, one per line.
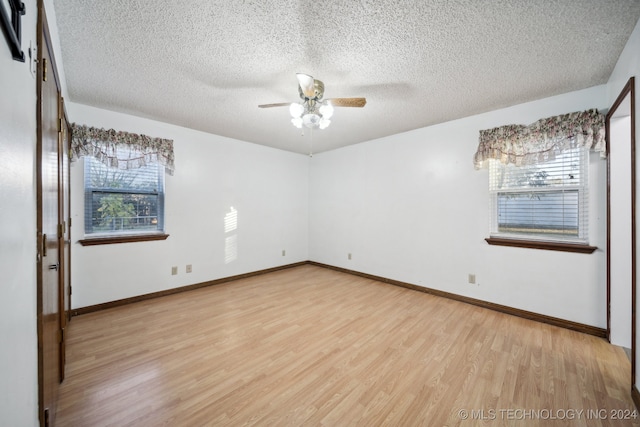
<point>472,279</point>
<point>189,269</point>
<point>349,256</point>
<point>284,252</point>
<point>174,270</point>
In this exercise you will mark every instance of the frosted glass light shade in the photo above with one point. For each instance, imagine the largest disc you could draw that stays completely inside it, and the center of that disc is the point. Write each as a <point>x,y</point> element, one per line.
<point>326,110</point>
<point>324,123</point>
<point>311,120</point>
<point>297,122</point>
<point>296,110</point>
<point>312,116</point>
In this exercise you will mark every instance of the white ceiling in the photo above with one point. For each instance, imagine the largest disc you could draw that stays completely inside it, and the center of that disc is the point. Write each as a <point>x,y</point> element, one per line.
<point>207,64</point>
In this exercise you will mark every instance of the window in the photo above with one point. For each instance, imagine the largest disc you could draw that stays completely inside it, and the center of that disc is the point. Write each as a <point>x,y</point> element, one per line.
<point>545,201</point>
<point>122,202</point>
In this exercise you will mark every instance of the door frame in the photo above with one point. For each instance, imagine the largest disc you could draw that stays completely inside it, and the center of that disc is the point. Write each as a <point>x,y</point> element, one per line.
<point>629,91</point>
<point>65,198</point>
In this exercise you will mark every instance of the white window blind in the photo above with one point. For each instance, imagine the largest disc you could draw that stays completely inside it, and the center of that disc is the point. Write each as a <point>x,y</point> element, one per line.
<point>545,201</point>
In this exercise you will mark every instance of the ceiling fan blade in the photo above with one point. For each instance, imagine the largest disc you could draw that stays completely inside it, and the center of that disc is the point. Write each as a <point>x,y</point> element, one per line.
<point>279,104</point>
<point>348,102</point>
<point>306,84</point>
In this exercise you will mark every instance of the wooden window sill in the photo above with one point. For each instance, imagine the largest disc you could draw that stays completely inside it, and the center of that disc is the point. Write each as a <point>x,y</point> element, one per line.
<point>108,240</point>
<point>536,244</point>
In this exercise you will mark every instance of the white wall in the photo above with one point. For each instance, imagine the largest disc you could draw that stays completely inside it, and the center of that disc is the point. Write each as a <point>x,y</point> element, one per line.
<point>628,66</point>
<point>411,207</point>
<point>18,356</point>
<point>267,187</point>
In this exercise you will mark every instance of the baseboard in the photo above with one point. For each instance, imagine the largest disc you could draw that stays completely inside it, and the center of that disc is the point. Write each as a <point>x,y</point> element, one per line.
<point>579,327</point>
<point>635,395</point>
<point>125,301</point>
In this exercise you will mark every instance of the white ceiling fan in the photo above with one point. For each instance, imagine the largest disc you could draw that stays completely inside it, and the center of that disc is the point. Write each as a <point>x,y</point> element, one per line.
<point>314,112</point>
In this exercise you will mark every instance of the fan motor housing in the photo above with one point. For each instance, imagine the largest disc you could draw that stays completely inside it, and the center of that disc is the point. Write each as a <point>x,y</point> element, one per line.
<point>318,91</point>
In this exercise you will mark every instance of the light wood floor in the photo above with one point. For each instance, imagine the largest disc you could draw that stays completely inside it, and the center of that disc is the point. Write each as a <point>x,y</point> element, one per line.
<point>311,346</point>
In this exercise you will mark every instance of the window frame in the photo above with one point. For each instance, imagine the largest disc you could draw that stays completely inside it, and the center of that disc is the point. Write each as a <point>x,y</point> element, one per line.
<point>545,241</point>
<point>126,236</point>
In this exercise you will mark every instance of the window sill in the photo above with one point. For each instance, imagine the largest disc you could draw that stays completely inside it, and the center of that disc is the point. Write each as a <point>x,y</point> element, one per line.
<point>131,238</point>
<point>536,244</point>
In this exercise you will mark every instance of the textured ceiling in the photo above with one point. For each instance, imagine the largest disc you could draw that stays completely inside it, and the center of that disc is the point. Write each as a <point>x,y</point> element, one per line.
<point>207,64</point>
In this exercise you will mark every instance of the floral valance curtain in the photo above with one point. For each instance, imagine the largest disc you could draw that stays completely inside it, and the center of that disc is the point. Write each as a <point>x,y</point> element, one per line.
<point>543,140</point>
<point>121,150</point>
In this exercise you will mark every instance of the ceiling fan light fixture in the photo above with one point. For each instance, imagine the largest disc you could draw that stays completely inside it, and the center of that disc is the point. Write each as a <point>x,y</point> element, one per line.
<point>313,112</point>
<point>324,123</point>
<point>297,122</point>
<point>311,120</point>
<point>296,110</point>
<point>326,110</point>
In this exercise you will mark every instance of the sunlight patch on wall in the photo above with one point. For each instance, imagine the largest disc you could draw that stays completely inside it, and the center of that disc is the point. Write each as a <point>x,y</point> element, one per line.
<point>231,242</point>
<point>230,249</point>
<point>231,220</point>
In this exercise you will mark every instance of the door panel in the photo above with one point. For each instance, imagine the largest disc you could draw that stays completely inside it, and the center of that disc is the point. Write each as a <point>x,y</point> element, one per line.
<point>620,234</point>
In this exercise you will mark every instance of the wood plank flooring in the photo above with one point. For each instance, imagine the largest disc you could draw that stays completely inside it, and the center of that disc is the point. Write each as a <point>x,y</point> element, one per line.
<point>312,346</point>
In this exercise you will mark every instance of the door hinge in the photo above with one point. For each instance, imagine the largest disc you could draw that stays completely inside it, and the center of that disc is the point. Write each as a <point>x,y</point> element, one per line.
<point>44,69</point>
<point>60,230</point>
<point>59,125</point>
<point>60,335</point>
<point>47,421</point>
<point>69,221</point>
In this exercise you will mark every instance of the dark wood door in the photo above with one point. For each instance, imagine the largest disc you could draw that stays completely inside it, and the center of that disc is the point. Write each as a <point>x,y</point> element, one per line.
<point>50,297</point>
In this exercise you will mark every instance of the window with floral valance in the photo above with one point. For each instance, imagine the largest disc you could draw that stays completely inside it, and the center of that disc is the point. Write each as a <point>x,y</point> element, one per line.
<point>123,184</point>
<point>538,180</point>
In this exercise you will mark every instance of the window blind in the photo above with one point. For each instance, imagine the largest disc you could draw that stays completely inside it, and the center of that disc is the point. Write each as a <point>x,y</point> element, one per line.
<point>546,201</point>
